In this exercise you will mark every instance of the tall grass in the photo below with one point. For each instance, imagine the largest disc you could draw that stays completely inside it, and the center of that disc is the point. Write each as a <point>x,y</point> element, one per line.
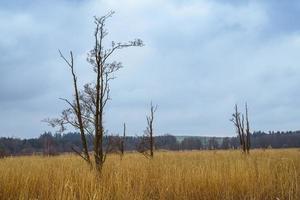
<point>270,174</point>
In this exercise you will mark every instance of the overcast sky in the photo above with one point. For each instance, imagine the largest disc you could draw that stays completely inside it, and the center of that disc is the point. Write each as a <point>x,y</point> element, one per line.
<point>200,58</point>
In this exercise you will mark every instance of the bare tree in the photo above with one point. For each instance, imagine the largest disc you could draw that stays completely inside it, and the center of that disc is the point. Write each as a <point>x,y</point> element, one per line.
<point>86,111</point>
<point>2,152</point>
<point>122,144</point>
<point>248,144</point>
<point>146,145</point>
<point>76,110</point>
<point>242,126</point>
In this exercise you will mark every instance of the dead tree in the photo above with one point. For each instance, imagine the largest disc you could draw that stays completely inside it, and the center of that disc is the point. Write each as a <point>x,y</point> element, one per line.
<point>2,152</point>
<point>122,143</point>
<point>248,139</point>
<point>86,111</point>
<point>146,145</point>
<point>241,124</point>
<point>75,109</point>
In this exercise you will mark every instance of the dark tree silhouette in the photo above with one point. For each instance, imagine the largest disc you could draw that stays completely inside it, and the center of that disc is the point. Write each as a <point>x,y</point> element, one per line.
<point>122,143</point>
<point>242,128</point>
<point>213,143</point>
<point>2,152</point>
<point>65,142</point>
<point>191,143</point>
<point>86,111</point>
<point>146,145</point>
<point>226,143</point>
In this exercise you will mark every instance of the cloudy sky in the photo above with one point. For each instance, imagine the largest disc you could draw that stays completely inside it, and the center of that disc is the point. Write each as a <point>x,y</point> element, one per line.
<point>200,58</point>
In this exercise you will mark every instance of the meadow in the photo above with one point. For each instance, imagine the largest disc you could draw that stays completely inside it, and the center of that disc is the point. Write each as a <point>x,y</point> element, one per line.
<point>264,174</point>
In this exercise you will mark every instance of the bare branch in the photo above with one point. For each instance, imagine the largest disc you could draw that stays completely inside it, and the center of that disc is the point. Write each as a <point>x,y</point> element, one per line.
<point>80,154</point>
<point>69,63</point>
<point>70,104</point>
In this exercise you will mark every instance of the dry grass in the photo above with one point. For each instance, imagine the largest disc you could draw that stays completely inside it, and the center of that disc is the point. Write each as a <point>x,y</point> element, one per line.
<point>271,174</point>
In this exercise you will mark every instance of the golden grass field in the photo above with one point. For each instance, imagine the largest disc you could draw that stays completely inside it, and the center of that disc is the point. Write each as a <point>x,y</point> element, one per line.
<point>269,174</point>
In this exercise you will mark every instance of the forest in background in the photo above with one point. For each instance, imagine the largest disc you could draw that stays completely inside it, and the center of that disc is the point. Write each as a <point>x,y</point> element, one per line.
<point>52,144</point>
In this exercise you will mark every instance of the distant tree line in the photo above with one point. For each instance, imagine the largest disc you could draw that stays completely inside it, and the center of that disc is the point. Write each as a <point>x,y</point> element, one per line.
<point>51,144</point>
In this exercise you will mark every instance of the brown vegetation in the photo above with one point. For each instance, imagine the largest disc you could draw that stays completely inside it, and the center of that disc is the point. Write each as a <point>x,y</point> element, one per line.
<point>207,175</point>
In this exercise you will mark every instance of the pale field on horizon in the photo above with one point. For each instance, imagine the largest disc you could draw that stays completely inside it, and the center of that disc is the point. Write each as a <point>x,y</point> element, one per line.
<point>269,174</point>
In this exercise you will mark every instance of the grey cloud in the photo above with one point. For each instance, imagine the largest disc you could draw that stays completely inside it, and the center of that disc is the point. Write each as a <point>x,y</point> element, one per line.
<point>200,58</point>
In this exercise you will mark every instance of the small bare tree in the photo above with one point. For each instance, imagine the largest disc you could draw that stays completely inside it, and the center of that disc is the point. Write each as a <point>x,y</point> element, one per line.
<point>122,143</point>
<point>117,143</point>
<point>241,124</point>
<point>86,111</point>
<point>2,152</point>
<point>146,145</point>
